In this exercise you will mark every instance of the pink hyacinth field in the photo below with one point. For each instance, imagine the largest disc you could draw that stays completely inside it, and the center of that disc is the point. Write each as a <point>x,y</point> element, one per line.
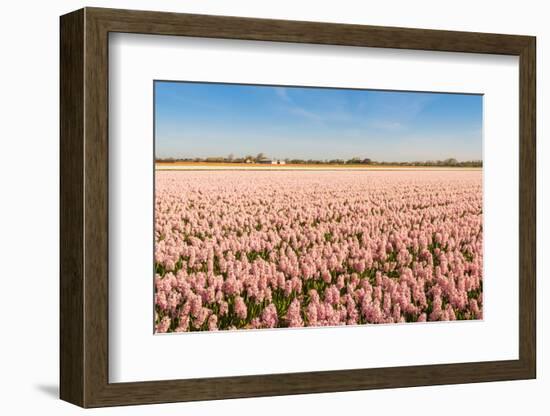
<point>253,249</point>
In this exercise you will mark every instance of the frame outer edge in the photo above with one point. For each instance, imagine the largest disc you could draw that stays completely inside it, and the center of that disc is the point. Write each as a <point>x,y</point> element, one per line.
<point>528,208</point>
<point>71,319</point>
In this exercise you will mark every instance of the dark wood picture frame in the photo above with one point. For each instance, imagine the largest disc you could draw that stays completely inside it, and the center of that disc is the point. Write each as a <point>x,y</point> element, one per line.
<point>84,207</point>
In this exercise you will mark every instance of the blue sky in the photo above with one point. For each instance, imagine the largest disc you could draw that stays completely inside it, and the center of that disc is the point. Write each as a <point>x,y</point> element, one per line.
<point>204,119</point>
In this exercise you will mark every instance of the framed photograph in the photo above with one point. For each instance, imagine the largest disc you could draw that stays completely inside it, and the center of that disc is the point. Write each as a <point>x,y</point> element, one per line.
<point>255,207</point>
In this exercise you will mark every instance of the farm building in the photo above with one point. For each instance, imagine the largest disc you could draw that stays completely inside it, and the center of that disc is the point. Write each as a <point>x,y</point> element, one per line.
<point>267,161</point>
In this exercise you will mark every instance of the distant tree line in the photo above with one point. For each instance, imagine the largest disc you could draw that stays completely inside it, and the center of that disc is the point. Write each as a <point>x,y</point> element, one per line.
<point>450,162</point>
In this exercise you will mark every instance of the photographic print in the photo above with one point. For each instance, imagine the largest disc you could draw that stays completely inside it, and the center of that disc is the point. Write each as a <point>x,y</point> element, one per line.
<point>290,206</point>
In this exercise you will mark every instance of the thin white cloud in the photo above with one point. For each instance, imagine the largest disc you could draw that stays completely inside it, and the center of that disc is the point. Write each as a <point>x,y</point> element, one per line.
<point>282,93</point>
<point>338,115</point>
<point>386,125</point>
<point>302,112</point>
